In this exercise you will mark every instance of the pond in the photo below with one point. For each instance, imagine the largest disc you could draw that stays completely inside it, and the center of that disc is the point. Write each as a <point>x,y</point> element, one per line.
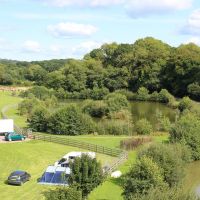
<point>141,109</point>
<point>150,110</point>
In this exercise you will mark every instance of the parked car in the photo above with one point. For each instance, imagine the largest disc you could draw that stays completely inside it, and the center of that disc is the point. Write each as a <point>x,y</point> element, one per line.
<point>12,136</point>
<point>18,178</point>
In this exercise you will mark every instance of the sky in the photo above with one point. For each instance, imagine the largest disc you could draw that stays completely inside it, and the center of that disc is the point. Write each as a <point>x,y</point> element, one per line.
<point>58,29</point>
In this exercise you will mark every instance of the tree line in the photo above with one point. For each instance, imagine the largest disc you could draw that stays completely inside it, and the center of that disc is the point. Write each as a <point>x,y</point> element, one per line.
<point>148,63</point>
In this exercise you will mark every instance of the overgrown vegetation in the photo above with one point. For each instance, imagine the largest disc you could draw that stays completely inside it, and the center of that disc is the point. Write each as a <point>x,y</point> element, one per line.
<point>148,63</point>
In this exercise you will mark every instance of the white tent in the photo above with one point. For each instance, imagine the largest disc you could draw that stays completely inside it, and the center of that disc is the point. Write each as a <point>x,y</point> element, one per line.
<point>6,125</point>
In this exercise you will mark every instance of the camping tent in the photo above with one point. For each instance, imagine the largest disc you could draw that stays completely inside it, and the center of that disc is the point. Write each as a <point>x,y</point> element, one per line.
<point>55,176</point>
<point>6,125</point>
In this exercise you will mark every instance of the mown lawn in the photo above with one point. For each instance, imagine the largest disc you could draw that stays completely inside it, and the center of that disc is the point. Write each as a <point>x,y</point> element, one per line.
<point>34,157</point>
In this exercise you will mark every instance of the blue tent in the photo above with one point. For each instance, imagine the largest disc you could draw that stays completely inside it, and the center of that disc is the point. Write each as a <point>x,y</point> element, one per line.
<point>55,176</point>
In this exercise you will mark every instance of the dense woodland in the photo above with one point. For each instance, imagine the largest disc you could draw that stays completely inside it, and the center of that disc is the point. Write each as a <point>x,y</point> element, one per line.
<point>148,63</point>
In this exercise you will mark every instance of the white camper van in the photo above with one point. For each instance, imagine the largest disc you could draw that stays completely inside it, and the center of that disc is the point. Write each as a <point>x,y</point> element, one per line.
<point>6,126</point>
<point>66,159</point>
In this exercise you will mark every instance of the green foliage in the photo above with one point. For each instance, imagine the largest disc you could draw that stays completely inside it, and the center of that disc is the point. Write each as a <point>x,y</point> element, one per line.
<point>38,120</point>
<point>194,91</point>
<point>39,92</point>
<point>171,159</point>
<point>164,123</point>
<point>184,104</point>
<point>116,102</point>
<point>63,193</point>
<point>143,127</point>
<point>186,131</point>
<point>142,94</point>
<point>114,127</point>
<point>143,176</point>
<point>95,108</point>
<point>86,173</point>
<point>70,121</point>
<point>167,194</point>
<point>27,106</point>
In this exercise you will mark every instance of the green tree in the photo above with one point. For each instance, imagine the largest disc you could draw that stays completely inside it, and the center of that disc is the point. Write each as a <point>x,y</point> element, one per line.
<point>86,173</point>
<point>186,131</point>
<point>63,193</point>
<point>171,159</point>
<point>70,121</point>
<point>184,104</point>
<point>143,176</point>
<point>38,121</point>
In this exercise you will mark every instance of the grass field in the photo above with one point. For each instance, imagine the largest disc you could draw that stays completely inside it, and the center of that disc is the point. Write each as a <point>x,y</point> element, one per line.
<point>34,157</point>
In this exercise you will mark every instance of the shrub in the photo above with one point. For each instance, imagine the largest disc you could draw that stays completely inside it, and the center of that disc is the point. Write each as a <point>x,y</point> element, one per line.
<point>184,104</point>
<point>164,123</point>
<point>70,121</point>
<point>63,193</point>
<point>186,131</point>
<point>143,176</point>
<point>143,127</point>
<point>116,102</point>
<point>165,97</point>
<point>142,94</point>
<point>167,194</point>
<point>171,159</point>
<point>95,108</point>
<point>27,106</point>
<point>133,143</point>
<point>39,119</point>
<point>86,173</point>
<point>194,91</point>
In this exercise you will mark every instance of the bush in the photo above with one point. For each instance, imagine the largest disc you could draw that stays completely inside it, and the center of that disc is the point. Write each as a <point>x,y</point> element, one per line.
<point>143,176</point>
<point>116,102</point>
<point>184,104</point>
<point>27,106</point>
<point>95,108</point>
<point>186,131</point>
<point>142,94</point>
<point>86,173</point>
<point>194,91</point>
<point>70,121</point>
<point>143,127</point>
<point>133,143</point>
<point>38,120</point>
<point>63,193</point>
<point>171,159</point>
<point>167,194</point>
<point>165,97</point>
<point>39,92</point>
<point>114,127</point>
<point>164,123</point>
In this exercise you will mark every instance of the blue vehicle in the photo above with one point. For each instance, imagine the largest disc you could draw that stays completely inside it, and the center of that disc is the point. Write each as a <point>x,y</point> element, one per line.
<point>12,136</point>
<point>18,178</point>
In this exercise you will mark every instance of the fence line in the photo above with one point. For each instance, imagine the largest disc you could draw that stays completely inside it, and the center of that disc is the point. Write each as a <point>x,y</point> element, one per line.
<point>121,155</point>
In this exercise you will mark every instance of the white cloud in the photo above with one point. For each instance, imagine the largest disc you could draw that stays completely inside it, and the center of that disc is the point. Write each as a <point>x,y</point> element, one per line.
<point>85,47</point>
<point>31,46</point>
<point>90,3</point>
<point>193,24</point>
<point>70,29</point>
<point>144,8</point>
<point>195,40</point>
